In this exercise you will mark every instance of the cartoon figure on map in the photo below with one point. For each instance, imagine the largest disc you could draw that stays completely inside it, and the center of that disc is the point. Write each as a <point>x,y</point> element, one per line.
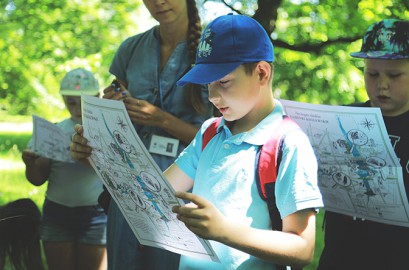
<point>353,139</point>
<point>122,147</point>
<point>151,187</point>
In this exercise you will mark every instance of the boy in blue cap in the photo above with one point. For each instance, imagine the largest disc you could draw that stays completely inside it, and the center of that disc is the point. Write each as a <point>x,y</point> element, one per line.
<point>352,243</point>
<point>234,59</point>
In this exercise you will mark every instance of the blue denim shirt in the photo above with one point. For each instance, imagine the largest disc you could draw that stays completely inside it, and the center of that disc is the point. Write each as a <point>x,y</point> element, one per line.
<point>137,62</point>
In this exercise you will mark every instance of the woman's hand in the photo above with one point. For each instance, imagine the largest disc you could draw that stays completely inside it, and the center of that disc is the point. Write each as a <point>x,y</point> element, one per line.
<point>79,149</point>
<point>115,91</point>
<point>201,216</point>
<point>144,113</point>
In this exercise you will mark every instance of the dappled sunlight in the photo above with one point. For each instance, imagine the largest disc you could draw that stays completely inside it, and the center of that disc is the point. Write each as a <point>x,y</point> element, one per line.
<point>13,183</point>
<point>7,164</point>
<point>16,127</point>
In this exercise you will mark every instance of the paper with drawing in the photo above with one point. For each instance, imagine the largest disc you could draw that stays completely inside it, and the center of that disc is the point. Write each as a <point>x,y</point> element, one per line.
<point>359,173</point>
<point>50,141</point>
<point>135,182</point>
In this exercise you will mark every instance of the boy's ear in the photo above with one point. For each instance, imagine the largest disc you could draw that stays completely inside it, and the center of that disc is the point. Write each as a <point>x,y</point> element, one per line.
<point>264,72</point>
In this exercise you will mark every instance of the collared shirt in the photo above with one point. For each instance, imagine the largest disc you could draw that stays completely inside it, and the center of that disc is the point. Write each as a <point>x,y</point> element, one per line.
<point>137,62</point>
<point>224,174</point>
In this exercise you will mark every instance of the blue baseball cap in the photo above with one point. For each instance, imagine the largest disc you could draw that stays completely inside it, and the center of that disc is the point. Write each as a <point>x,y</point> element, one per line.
<point>386,39</point>
<point>226,43</point>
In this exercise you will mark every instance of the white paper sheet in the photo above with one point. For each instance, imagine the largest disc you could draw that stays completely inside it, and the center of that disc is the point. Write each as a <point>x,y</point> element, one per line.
<point>359,173</point>
<point>50,141</point>
<point>134,180</point>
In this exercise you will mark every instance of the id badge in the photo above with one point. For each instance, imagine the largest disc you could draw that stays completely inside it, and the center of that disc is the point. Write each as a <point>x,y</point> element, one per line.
<point>164,146</point>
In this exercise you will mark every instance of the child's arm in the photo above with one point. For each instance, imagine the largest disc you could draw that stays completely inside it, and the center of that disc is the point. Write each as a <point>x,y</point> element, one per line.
<point>37,168</point>
<point>293,246</point>
<point>178,179</point>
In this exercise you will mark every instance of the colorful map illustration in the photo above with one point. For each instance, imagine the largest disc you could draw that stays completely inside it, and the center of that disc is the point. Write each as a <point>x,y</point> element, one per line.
<point>359,173</point>
<point>135,182</point>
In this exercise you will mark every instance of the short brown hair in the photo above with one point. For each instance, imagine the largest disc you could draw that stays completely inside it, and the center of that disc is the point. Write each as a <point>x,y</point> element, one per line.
<point>250,67</point>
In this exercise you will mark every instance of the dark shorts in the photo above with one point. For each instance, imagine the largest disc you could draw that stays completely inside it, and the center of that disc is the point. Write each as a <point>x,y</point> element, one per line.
<point>83,224</point>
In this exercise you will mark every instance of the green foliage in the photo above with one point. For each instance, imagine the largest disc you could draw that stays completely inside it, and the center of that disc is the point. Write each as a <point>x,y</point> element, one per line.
<point>10,141</point>
<point>14,184</point>
<point>44,39</point>
<point>323,33</point>
<point>313,39</point>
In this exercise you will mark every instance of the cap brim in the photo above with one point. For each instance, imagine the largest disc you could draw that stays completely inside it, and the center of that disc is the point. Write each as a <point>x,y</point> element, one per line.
<point>379,55</point>
<point>207,73</point>
<point>78,92</point>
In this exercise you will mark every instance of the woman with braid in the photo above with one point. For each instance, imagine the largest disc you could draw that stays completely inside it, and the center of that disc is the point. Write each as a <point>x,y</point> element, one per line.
<point>146,67</point>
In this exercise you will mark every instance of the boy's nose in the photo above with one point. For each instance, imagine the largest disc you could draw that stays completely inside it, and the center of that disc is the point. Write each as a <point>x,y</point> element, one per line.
<point>158,2</point>
<point>383,82</point>
<point>214,95</point>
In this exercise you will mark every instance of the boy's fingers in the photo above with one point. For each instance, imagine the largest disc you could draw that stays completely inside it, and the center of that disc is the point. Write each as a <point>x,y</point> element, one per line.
<point>78,129</point>
<point>199,201</point>
<point>78,140</point>
<point>80,148</point>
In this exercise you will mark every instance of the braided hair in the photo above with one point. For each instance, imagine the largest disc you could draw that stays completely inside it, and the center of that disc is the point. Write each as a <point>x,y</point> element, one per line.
<point>192,91</point>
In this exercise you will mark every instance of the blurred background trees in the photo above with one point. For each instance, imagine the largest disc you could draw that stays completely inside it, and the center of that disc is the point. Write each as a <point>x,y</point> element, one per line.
<point>41,40</point>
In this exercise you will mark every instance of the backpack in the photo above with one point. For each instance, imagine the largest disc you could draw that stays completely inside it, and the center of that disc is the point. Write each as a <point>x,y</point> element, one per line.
<point>267,161</point>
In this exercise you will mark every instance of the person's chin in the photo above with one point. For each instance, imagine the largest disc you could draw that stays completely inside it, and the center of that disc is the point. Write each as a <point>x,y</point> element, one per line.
<point>229,117</point>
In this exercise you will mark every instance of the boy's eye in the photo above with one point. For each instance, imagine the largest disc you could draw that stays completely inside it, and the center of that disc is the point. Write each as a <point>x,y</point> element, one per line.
<point>224,82</point>
<point>372,74</point>
<point>394,75</point>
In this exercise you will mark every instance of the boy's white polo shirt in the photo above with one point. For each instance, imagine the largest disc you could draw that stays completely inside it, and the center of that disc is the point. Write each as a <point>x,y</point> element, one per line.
<point>224,174</point>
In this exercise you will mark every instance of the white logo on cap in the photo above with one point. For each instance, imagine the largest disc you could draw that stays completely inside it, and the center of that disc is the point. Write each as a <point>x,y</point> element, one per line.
<point>384,35</point>
<point>205,48</point>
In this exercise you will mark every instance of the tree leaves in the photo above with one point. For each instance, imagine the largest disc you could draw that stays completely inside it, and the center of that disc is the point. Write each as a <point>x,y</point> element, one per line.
<point>42,40</point>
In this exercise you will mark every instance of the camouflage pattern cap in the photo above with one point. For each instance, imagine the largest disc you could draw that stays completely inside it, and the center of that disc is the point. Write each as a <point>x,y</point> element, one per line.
<point>79,81</point>
<point>387,39</point>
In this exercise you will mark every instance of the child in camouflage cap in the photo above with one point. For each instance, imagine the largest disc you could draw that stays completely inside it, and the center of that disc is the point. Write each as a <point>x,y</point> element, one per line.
<point>352,243</point>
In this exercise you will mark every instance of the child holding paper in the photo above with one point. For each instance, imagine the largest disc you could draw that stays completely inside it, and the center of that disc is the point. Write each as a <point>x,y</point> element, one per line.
<point>73,226</point>
<point>360,244</point>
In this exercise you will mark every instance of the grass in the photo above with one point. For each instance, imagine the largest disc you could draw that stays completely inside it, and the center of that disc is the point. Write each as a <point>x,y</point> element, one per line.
<point>13,183</point>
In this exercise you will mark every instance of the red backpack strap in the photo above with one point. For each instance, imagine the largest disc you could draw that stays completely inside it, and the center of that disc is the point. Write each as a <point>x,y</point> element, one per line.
<point>267,162</point>
<point>210,131</point>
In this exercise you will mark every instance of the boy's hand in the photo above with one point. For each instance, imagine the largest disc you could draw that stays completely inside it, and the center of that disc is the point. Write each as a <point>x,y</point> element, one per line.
<point>79,149</point>
<point>200,216</point>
